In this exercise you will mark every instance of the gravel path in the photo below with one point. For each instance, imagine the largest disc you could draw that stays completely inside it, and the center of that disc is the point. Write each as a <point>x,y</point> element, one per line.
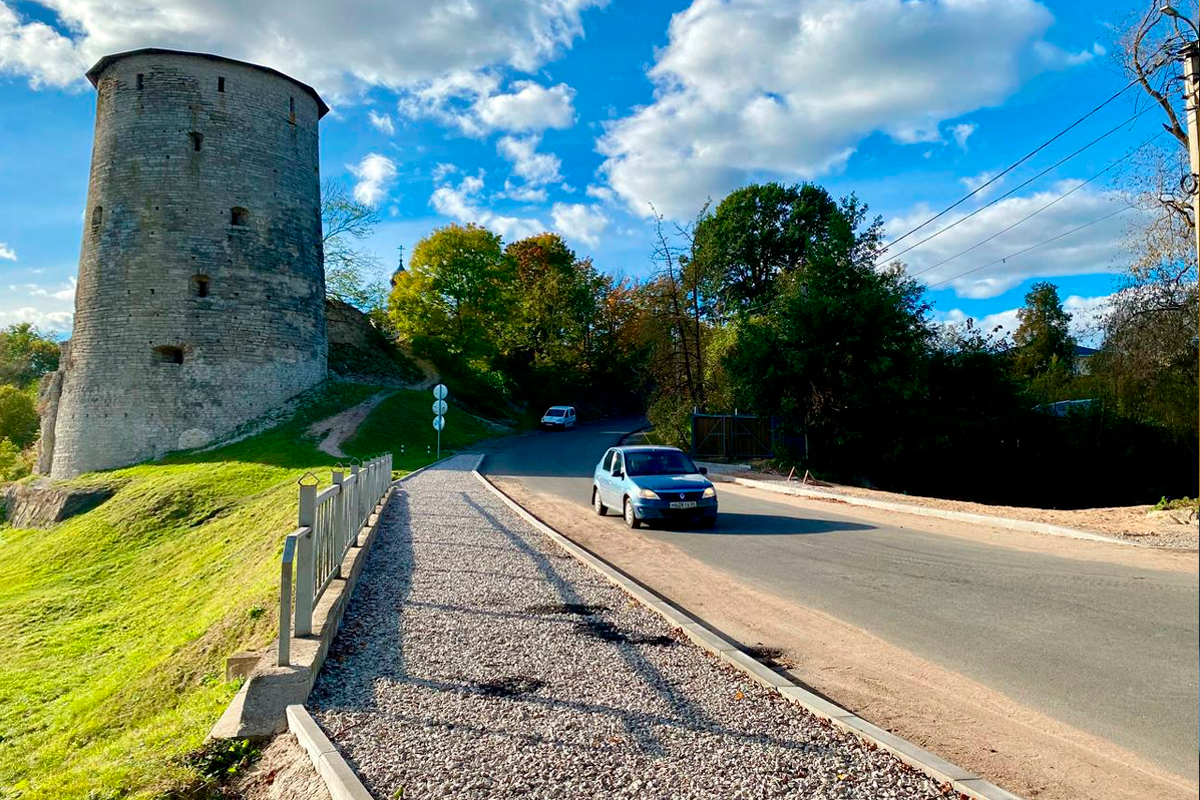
<point>477,659</point>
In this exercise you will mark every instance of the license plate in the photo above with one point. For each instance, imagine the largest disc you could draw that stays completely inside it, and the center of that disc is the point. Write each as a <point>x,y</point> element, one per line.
<point>684,504</point>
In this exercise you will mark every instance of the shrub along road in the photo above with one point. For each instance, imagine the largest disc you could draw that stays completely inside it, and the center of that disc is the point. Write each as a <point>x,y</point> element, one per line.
<point>1093,650</point>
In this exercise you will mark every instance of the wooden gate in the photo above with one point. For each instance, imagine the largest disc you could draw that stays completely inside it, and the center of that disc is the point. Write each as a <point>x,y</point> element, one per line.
<point>732,436</point>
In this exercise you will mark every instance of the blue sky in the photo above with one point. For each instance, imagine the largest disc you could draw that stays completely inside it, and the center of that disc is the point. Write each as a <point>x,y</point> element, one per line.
<point>577,115</point>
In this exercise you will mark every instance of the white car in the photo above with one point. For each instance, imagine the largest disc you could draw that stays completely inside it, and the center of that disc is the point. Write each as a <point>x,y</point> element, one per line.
<point>558,418</point>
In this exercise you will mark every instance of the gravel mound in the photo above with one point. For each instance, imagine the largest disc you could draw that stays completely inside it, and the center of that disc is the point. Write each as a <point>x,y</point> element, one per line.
<point>478,660</point>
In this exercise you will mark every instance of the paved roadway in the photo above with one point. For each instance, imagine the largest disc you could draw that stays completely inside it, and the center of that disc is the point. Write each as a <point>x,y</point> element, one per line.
<point>1107,648</point>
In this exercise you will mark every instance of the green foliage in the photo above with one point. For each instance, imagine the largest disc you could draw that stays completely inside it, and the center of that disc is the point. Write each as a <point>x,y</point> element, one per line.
<point>14,464</point>
<point>116,622</point>
<point>18,416</point>
<point>454,291</point>
<point>763,231</point>
<point>1178,504</point>
<point>26,354</point>
<point>1044,348</point>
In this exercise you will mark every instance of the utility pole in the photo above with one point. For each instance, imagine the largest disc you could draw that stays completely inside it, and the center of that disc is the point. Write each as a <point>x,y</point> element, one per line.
<point>1191,88</point>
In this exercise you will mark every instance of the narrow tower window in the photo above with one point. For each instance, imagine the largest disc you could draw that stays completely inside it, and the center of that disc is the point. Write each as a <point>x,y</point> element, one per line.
<point>168,355</point>
<point>200,284</point>
<point>291,105</point>
<point>239,216</point>
<point>197,140</point>
<point>97,217</point>
<point>141,81</point>
<point>220,84</point>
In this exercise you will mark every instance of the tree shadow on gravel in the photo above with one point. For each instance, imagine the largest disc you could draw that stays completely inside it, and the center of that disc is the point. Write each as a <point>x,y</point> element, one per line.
<point>368,651</point>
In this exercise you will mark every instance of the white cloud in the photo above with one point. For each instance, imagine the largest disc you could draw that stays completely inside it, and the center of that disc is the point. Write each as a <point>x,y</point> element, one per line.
<point>536,169</point>
<point>1095,249</point>
<point>51,321</point>
<point>531,107</point>
<point>329,45</point>
<point>382,122</point>
<point>962,132</point>
<point>474,103</point>
<point>1086,316</point>
<point>974,182</point>
<point>441,170</point>
<point>789,87</point>
<point>64,292</point>
<point>461,203</point>
<point>376,173</point>
<point>7,253</point>
<point>580,222</point>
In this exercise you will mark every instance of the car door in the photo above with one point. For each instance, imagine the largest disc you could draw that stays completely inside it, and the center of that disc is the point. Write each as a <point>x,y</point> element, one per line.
<point>614,484</point>
<point>603,477</point>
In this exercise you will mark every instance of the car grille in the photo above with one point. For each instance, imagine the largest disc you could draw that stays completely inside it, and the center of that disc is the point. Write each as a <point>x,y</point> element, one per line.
<point>675,497</point>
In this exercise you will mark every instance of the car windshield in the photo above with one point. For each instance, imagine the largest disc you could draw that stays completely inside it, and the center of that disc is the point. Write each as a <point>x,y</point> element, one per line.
<point>658,462</point>
<point>556,412</point>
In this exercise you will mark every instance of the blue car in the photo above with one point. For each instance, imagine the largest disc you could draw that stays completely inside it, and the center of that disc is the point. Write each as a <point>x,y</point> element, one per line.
<point>653,483</point>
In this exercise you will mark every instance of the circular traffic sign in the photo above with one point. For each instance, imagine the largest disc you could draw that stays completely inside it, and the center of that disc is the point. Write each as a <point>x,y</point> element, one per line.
<point>439,423</point>
<point>440,391</point>
<point>439,407</point>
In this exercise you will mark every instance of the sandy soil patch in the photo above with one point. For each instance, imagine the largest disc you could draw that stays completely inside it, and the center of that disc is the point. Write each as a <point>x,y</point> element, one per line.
<point>341,427</point>
<point>284,772</point>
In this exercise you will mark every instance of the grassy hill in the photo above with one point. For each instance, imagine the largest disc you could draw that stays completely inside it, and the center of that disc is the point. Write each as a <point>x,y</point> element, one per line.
<point>116,623</point>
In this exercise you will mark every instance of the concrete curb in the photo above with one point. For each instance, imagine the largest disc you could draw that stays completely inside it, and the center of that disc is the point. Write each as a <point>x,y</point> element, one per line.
<point>338,776</point>
<point>939,769</point>
<point>921,511</point>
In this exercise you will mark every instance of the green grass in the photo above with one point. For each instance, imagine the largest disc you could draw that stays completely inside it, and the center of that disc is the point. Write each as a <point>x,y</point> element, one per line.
<point>115,624</point>
<point>406,418</point>
<point>1178,504</point>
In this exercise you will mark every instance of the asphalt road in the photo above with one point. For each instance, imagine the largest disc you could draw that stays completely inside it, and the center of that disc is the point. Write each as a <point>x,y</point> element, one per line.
<point>1107,648</point>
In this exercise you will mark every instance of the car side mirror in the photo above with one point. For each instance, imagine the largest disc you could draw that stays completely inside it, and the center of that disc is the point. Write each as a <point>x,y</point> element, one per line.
<point>618,474</point>
<point>704,470</point>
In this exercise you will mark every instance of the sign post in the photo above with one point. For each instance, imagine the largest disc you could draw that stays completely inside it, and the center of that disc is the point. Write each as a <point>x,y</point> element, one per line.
<point>439,414</point>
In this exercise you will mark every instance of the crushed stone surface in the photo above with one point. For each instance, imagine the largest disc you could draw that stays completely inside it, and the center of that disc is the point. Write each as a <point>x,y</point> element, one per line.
<point>477,659</point>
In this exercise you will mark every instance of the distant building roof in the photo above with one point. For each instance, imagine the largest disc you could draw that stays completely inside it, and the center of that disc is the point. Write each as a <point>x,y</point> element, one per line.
<point>105,62</point>
<point>1080,350</point>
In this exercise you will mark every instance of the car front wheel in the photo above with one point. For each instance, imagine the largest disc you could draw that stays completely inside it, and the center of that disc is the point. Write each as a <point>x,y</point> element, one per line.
<point>599,507</point>
<point>631,518</point>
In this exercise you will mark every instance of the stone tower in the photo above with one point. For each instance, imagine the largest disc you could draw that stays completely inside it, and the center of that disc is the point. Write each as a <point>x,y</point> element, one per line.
<point>201,295</point>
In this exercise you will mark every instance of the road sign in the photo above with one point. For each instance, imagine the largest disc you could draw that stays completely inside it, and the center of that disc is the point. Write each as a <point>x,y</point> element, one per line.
<point>440,391</point>
<point>439,408</point>
<point>438,424</point>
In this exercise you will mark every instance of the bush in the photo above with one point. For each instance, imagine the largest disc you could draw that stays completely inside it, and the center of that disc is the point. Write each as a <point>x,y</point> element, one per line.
<point>14,464</point>
<point>18,416</point>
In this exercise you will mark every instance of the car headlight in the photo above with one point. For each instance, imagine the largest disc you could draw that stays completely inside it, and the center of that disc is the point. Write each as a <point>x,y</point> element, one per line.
<point>710,492</point>
<point>648,494</point>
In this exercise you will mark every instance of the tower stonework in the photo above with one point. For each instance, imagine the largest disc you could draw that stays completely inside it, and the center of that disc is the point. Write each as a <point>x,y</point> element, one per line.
<point>201,295</point>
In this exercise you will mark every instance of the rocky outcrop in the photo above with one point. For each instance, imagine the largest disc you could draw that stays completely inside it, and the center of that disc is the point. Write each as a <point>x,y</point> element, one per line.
<point>41,503</point>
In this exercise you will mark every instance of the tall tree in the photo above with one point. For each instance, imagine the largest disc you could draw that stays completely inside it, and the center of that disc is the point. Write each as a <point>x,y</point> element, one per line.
<point>456,289</point>
<point>353,274</point>
<point>555,304</point>
<point>762,231</point>
<point>26,354</point>
<point>1043,338</point>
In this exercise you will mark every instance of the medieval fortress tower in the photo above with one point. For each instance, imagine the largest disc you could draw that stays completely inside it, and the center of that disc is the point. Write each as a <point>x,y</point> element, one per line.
<point>201,294</point>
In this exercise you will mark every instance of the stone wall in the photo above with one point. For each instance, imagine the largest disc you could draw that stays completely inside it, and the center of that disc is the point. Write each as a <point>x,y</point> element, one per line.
<point>201,295</point>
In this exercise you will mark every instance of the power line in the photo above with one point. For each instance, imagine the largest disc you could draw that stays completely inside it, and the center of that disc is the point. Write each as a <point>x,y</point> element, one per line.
<point>1011,167</point>
<point>1014,190</point>
<point>1004,259</point>
<point>1062,196</point>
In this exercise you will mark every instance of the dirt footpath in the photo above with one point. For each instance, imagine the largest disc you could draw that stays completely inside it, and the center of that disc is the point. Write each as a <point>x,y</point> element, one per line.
<point>978,728</point>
